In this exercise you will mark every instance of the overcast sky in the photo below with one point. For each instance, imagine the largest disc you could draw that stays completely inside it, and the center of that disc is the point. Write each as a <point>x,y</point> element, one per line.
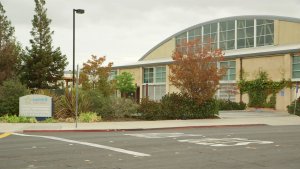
<point>124,30</point>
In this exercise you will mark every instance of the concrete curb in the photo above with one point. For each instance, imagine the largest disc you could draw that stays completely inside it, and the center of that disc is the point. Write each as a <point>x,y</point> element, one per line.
<point>142,129</point>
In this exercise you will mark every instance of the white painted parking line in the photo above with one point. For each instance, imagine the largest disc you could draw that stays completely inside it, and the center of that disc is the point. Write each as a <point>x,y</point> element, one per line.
<point>87,144</point>
<point>162,135</point>
<point>225,142</point>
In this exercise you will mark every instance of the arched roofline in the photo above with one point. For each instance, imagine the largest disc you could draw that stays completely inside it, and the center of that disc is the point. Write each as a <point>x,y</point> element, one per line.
<point>269,17</point>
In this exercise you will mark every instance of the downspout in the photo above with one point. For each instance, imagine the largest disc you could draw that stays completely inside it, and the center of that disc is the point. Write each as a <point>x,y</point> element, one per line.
<point>241,77</point>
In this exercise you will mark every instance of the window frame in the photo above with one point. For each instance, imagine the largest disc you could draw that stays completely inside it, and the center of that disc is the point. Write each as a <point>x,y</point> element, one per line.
<point>292,68</point>
<point>228,74</point>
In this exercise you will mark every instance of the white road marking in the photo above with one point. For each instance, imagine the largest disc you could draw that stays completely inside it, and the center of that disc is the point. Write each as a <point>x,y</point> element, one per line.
<point>225,142</point>
<point>87,144</point>
<point>162,135</point>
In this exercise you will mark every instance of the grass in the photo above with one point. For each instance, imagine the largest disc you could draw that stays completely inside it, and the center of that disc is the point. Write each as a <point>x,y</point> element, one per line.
<point>16,119</point>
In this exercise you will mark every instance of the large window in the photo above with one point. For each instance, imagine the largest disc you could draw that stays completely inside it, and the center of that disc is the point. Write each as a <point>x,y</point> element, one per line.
<point>112,75</point>
<point>245,34</point>
<point>231,34</point>
<point>230,74</point>
<point>154,85</point>
<point>227,35</point>
<point>195,34</point>
<point>160,74</point>
<point>181,41</point>
<point>148,75</point>
<point>296,67</point>
<point>210,34</point>
<point>264,32</point>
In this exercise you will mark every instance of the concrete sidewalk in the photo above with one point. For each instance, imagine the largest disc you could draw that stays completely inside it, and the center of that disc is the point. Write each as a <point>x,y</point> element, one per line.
<point>227,118</point>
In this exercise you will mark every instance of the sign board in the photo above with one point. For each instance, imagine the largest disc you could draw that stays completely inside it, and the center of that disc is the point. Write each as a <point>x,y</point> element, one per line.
<point>35,106</point>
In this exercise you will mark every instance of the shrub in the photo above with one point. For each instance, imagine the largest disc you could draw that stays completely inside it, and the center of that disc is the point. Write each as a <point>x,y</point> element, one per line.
<point>15,119</point>
<point>230,105</point>
<point>150,110</point>
<point>99,104</point>
<point>122,107</point>
<point>291,107</point>
<point>9,96</point>
<point>50,120</point>
<point>180,106</point>
<point>65,106</point>
<point>111,107</point>
<point>89,117</point>
<point>177,106</point>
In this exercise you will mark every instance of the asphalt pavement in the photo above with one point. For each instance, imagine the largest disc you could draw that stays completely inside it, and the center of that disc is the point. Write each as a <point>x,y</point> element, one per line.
<point>243,147</point>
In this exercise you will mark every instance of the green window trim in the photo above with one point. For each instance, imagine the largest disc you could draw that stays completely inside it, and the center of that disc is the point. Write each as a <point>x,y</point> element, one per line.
<point>296,67</point>
<point>154,75</point>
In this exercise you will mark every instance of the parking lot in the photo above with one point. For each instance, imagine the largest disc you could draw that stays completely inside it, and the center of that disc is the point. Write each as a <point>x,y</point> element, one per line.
<point>224,147</point>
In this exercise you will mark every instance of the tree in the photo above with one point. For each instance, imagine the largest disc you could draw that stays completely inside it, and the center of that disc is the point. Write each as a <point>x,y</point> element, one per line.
<point>195,71</point>
<point>43,66</point>
<point>10,50</point>
<point>125,83</point>
<point>95,76</point>
<point>10,92</point>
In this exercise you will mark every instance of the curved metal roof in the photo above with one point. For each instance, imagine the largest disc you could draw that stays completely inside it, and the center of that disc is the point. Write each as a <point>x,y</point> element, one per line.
<point>269,17</point>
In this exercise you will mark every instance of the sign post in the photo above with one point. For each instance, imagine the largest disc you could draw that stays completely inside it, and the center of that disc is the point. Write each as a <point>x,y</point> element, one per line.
<point>77,81</point>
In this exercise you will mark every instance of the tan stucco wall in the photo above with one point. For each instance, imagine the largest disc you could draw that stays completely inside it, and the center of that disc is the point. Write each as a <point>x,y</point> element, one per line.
<point>288,32</point>
<point>278,67</point>
<point>165,50</point>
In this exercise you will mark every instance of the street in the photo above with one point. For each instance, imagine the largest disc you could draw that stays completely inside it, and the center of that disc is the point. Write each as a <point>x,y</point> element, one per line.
<point>215,148</point>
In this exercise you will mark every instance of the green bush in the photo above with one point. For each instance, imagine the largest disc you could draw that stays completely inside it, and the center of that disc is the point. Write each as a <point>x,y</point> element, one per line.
<point>89,117</point>
<point>122,107</point>
<point>50,120</point>
<point>230,105</point>
<point>10,92</point>
<point>15,119</point>
<point>177,106</point>
<point>180,106</point>
<point>150,110</point>
<point>272,102</point>
<point>99,103</point>
<point>291,107</point>
<point>111,107</point>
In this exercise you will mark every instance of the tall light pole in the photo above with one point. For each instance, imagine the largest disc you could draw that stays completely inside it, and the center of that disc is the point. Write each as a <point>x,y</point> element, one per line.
<point>79,11</point>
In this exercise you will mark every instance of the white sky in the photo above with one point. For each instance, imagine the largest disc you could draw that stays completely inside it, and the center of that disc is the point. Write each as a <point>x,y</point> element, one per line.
<point>124,30</point>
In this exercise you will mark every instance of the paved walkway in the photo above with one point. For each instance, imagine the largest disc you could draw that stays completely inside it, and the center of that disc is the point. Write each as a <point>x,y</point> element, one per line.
<point>227,118</point>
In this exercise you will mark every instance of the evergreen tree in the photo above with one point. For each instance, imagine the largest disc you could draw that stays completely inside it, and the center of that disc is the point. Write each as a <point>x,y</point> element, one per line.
<point>43,66</point>
<point>9,49</point>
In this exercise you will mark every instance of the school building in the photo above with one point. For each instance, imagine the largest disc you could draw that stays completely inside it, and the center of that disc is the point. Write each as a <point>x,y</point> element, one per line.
<point>250,43</point>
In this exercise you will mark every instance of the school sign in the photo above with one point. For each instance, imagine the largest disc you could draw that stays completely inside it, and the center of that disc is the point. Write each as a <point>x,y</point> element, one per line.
<point>35,106</point>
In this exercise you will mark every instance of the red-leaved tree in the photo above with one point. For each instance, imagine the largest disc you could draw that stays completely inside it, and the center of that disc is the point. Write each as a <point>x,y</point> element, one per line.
<point>195,70</point>
<point>95,76</point>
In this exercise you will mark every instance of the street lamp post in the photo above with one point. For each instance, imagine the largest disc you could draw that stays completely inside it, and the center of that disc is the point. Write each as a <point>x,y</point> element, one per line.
<point>79,11</point>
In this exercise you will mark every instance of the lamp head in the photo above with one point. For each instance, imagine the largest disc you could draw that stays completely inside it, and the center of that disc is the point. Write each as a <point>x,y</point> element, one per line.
<point>79,11</point>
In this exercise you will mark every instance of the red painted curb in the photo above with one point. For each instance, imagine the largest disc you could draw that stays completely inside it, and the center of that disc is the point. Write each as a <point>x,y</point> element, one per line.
<point>142,129</point>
